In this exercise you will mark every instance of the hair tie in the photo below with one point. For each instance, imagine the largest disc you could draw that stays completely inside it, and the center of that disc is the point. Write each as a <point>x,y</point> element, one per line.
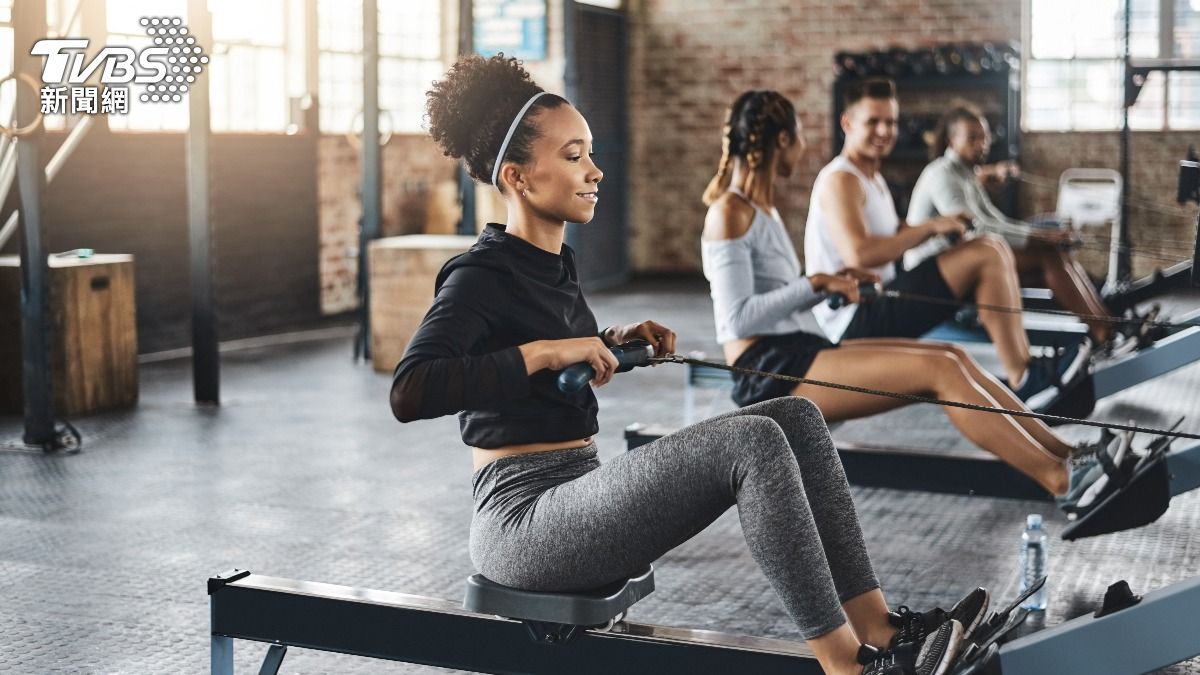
<point>512,128</point>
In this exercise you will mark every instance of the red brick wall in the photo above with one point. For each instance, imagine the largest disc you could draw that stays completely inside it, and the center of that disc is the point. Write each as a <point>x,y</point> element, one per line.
<point>1157,224</point>
<point>416,178</point>
<point>690,58</point>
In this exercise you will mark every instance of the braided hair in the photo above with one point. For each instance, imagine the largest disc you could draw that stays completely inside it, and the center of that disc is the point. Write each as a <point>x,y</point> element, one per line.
<point>752,125</point>
<point>470,109</point>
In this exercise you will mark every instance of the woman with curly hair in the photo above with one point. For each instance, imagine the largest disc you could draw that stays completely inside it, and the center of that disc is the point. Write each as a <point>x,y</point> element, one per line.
<point>548,516</point>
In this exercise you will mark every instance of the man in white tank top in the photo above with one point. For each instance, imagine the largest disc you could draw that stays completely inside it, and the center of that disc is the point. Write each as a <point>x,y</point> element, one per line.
<point>852,223</point>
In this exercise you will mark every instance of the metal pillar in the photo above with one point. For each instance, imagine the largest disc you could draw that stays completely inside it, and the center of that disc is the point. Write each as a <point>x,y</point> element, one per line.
<point>206,364</point>
<point>372,200</point>
<point>570,32</point>
<point>1196,256</point>
<point>466,185</point>
<point>29,24</point>
<point>1120,267</point>
<point>312,59</point>
<point>221,655</point>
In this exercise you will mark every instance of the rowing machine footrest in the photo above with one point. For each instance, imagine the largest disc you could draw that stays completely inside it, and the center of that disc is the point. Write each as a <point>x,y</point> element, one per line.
<point>1077,400</point>
<point>585,608</point>
<point>1140,502</point>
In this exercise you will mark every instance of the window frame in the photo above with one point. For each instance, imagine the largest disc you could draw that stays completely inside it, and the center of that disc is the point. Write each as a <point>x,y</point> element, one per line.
<point>388,124</point>
<point>1165,49</point>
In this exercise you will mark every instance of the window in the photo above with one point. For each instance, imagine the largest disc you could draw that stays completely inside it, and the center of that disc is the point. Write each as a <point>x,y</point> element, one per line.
<point>1074,71</point>
<point>8,92</point>
<point>410,60</point>
<point>124,28</point>
<point>248,72</point>
<point>248,76</point>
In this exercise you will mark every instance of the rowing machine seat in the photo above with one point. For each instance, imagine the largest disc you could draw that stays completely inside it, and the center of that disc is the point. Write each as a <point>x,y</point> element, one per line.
<point>585,608</point>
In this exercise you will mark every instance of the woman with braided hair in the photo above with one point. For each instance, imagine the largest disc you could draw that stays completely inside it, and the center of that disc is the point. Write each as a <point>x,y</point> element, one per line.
<point>548,516</point>
<point>760,297</point>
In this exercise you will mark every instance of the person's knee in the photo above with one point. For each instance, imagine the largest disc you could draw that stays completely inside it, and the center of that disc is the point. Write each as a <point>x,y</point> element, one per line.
<point>757,438</point>
<point>792,409</point>
<point>946,366</point>
<point>995,251</point>
<point>957,351</point>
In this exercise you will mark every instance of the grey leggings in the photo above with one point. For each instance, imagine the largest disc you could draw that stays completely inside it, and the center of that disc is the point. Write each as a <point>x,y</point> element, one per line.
<point>560,521</point>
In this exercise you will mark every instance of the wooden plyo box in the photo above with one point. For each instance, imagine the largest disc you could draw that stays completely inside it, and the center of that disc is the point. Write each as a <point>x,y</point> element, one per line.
<point>403,270</point>
<point>93,334</point>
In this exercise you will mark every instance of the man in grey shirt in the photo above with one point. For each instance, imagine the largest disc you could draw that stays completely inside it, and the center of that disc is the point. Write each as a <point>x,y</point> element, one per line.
<point>949,185</point>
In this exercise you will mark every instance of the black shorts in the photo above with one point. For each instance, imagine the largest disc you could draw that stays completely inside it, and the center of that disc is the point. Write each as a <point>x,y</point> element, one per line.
<point>893,317</point>
<point>787,354</point>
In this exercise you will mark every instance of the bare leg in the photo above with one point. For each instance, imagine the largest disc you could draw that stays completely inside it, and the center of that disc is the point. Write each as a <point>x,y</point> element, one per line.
<point>1003,395</point>
<point>986,266</point>
<point>1066,278</point>
<point>931,373</point>
<point>868,615</point>
<point>837,650</point>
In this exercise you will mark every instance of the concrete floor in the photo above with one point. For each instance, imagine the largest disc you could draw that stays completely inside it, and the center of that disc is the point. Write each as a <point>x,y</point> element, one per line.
<point>303,473</point>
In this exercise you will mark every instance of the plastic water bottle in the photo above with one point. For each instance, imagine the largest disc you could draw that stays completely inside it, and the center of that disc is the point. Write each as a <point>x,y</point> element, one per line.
<point>1033,560</point>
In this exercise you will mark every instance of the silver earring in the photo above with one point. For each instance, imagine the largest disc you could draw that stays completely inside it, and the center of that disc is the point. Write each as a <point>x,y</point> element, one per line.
<point>524,194</point>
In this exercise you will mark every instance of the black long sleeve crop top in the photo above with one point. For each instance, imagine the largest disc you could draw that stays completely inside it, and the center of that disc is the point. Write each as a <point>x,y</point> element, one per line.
<point>464,357</point>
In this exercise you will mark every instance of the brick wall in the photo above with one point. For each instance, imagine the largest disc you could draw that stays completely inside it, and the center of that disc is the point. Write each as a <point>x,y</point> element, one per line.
<point>1158,225</point>
<point>419,194</point>
<point>690,58</point>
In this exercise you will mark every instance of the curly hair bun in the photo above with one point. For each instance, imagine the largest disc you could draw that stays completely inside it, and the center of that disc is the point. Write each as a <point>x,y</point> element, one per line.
<point>470,109</point>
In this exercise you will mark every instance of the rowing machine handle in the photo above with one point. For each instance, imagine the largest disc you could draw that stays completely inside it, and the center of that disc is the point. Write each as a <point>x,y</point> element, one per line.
<point>955,238</point>
<point>867,291</point>
<point>629,356</point>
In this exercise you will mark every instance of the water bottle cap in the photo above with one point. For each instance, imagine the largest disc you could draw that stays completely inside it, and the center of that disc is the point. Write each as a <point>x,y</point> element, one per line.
<point>1034,521</point>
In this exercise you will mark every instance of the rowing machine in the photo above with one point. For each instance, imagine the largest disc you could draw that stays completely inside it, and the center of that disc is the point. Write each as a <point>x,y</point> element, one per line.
<point>544,634</point>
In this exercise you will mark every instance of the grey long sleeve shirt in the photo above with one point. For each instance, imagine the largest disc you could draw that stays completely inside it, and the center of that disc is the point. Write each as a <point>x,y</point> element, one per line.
<point>758,286</point>
<point>948,186</point>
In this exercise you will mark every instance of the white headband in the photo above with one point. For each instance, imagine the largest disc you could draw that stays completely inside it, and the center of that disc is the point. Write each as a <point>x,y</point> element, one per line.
<point>508,137</point>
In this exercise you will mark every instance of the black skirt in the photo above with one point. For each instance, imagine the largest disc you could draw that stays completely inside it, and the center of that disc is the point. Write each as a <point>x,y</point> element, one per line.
<point>788,354</point>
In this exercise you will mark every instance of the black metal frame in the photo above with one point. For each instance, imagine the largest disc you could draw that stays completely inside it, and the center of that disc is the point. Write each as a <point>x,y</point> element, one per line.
<point>372,181</point>
<point>28,24</point>
<point>399,627</point>
<point>1124,291</point>
<point>1133,635</point>
<point>466,184</point>
<point>575,86</point>
<point>206,359</point>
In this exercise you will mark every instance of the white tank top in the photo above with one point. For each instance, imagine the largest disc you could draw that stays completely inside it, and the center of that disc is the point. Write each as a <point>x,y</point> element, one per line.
<point>821,255</point>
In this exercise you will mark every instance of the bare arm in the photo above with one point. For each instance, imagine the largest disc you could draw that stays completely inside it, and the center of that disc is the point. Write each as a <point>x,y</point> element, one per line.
<point>729,268</point>
<point>843,198</point>
<point>950,195</point>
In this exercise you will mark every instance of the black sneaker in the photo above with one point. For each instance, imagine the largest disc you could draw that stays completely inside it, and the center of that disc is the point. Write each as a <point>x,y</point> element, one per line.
<point>935,655</point>
<point>1039,376</point>
<point>1067,365</point>
<point>1145,328</point>
<point>915,626</point>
